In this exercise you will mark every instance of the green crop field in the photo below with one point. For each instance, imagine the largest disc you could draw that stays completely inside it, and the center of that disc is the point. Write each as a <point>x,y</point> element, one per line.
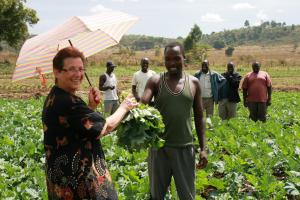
<point>247,160</point>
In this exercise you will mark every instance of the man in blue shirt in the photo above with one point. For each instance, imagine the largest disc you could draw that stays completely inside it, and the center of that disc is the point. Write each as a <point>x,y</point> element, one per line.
<point>229,94</point>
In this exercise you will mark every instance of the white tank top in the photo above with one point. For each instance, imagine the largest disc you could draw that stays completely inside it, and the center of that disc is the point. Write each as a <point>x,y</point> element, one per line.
<point>110,81</point>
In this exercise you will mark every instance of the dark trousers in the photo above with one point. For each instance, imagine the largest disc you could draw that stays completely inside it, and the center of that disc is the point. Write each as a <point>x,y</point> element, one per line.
<point>166,162</point>
<point>258,111</point>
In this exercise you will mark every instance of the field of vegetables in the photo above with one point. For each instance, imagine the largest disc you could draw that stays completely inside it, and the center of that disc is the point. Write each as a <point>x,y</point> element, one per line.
<point>247,160</point>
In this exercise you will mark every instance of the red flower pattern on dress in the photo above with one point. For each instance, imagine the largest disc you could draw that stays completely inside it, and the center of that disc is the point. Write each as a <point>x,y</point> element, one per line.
<point>67,193</point>
<point>100,179</point>
<point>87,123</point>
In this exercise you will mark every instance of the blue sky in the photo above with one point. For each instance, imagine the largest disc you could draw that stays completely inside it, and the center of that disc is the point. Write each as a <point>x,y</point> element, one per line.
<point>168,18</point>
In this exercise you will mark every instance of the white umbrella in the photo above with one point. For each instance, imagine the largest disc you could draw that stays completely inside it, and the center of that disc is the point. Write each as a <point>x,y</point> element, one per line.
<point>90,34</point>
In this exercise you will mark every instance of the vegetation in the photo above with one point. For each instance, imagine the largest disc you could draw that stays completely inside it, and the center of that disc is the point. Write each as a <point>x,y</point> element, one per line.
<point>14,18</point>
<point>141,129</point>
<point>265,34</point>
<point>193,38</point>
<point>143,42</point>
<point>229,51</point>
<point>247,160</point>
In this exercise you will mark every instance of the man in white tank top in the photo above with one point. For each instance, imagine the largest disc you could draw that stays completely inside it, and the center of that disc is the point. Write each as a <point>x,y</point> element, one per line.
<point>108,84</point>
<point>140,79</point>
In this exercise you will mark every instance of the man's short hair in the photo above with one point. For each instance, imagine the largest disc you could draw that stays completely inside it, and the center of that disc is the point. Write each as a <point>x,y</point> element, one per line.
<point>205,62</point>
<point>230,64</point>
<point>255,64</point>
<point>175,44</point>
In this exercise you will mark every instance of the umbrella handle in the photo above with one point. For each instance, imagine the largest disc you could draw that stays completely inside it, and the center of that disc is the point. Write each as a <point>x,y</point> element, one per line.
<point>87,78</point>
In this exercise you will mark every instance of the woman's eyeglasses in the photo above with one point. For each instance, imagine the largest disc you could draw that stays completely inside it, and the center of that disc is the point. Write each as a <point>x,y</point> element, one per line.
<point>73,70</point>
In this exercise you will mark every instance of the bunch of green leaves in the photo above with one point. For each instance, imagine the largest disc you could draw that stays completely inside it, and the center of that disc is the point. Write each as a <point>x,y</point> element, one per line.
<point>142,128</point>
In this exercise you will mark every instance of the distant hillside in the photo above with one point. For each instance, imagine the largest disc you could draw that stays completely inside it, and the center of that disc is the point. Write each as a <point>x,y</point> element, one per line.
<point>268,33</point>
<point>143,42</point>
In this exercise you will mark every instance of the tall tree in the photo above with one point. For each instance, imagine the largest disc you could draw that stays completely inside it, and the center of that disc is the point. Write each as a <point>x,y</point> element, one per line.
<point>193,38</point>
<point>246,23</point>
<point>196,33</point>
<point>188,43</point>
<point>14,18</point>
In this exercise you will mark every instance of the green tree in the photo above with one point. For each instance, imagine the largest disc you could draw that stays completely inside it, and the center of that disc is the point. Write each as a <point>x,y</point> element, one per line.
<point>196,34</point>
<point>219,44</point>
<point>193,38</point>
<point>246,23</point>
<point>197,54</point>
<point>188,43</point>
<point>229,51</point>
<point>14,18</point>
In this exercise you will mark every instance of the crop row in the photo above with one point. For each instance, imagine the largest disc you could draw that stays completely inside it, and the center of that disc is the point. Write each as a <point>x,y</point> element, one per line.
<point>247,160</point>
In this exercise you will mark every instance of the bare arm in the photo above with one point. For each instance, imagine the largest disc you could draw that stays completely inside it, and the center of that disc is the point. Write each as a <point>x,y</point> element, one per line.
<point>151,89</point>
<point>101,83</point>
<point>134,92</point>
<point>199,123</point>
<point>114,120</point>
<point>269,95</point>
<point>198,115</point>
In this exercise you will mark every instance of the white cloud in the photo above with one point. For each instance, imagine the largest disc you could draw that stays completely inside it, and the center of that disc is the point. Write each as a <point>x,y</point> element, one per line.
<point>262,16</point>
<point>121,1</point>
<point>94,0</point>
<point>190,1</point>
<point>280,11</point>
<point>243,6</point>
<point>98,8</point>
<point>211,17</point>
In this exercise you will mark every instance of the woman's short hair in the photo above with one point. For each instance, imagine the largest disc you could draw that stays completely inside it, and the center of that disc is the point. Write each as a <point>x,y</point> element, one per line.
<point>68,52</point>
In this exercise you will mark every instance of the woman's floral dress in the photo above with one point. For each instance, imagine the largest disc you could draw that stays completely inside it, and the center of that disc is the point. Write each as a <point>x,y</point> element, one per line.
<point>75,162</point>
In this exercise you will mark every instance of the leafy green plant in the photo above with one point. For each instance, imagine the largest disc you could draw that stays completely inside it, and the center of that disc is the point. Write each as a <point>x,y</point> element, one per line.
<point>142,128</point>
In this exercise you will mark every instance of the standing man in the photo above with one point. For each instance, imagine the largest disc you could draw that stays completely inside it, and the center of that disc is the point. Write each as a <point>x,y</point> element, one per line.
<point>176,95</point>
<point>229,94</point>
<point>257,91</point>
<point>140,79</point>
<point>108,84</point>
<point>210,82</point>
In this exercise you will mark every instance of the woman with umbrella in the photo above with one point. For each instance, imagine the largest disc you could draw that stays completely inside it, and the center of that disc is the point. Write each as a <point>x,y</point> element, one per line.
<point>75,162</point>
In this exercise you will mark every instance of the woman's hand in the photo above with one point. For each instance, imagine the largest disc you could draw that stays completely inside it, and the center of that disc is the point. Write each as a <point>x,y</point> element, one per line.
<point>94,98</point>
<point>114,120</point>
<point>129,103</point>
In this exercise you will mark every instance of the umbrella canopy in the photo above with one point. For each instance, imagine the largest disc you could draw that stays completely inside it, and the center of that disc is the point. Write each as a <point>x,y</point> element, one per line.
<point>90,34</point>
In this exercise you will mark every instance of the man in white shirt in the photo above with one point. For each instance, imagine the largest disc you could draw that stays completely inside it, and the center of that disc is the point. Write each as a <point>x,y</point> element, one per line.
<point>140,79</point>
<point>108,84</point>
<point>210,82</point>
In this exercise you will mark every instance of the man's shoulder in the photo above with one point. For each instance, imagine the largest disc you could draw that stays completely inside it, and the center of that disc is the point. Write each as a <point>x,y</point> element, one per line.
<point>264,72</point>
<point>248,74</point>
<point>136,73</point>
<point>103,75</point>
<point>151,71</point>
<point>193,78</point>
<point>197,74</point>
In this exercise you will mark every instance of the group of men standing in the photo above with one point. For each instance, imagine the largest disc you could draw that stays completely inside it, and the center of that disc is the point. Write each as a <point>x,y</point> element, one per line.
<point>222,89</point>
<point>176,94</point>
